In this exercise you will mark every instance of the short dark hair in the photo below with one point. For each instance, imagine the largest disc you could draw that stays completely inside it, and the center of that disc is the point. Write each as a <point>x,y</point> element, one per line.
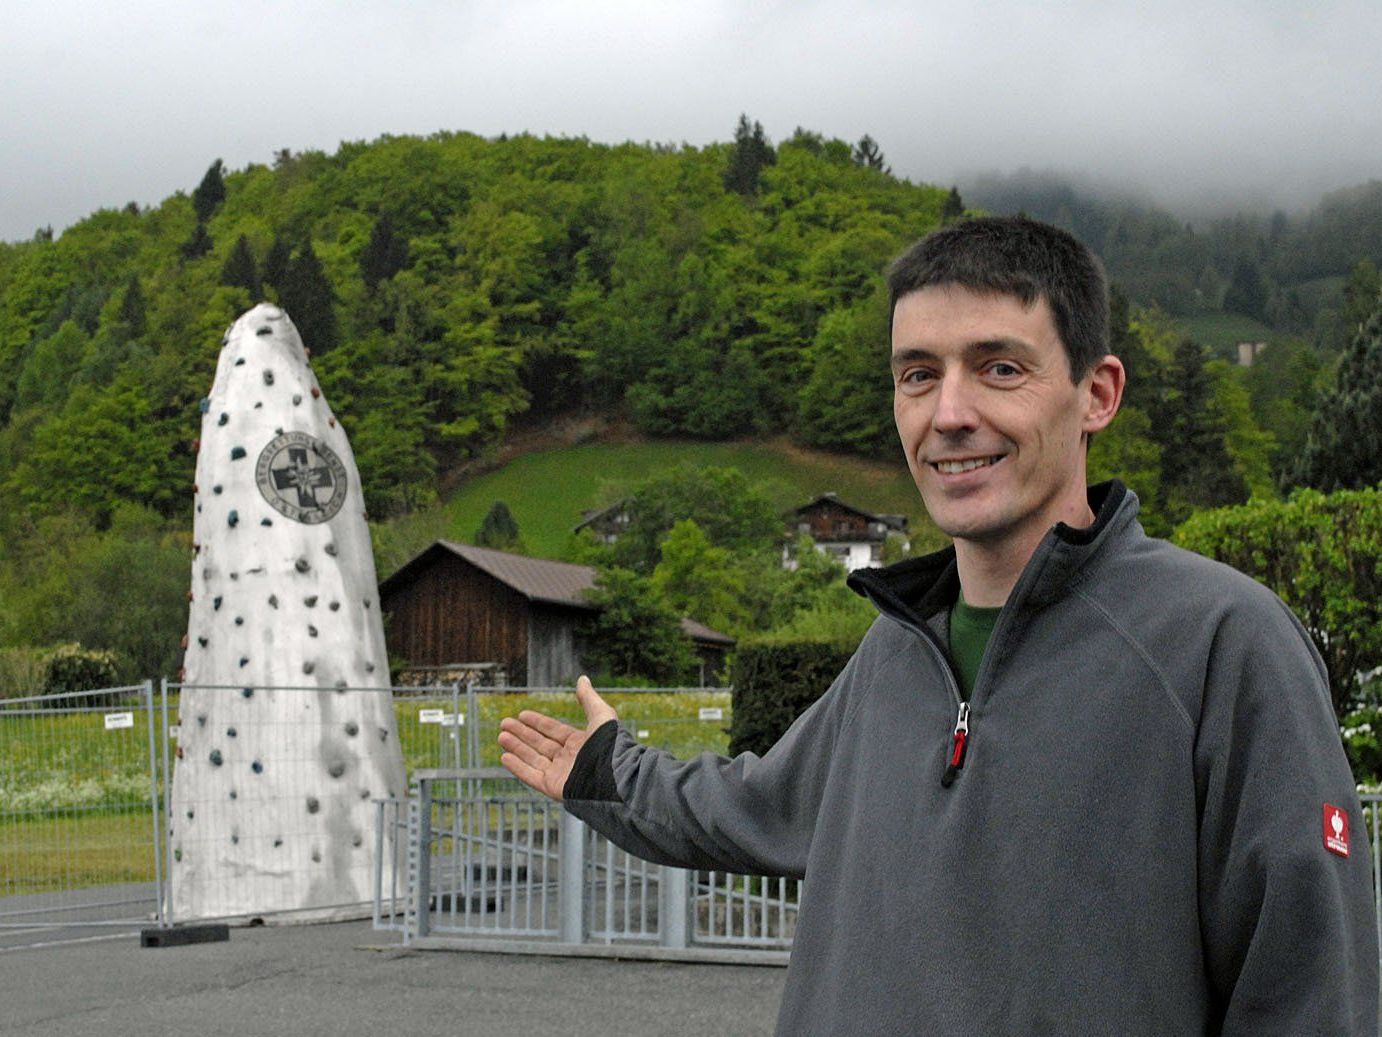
<point>1017,256</point>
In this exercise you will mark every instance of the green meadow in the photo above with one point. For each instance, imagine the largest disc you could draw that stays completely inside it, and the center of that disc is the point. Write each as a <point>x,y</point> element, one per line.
<point>74,797</point>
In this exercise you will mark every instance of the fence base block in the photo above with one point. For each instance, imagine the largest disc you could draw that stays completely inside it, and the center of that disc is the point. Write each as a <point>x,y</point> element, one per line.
<point>181,936</point>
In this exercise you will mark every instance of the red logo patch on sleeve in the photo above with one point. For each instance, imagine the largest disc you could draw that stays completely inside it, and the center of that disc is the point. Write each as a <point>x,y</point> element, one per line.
<point>1335,830</point>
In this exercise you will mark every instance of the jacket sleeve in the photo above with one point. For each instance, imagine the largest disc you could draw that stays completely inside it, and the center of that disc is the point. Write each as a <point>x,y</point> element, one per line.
<point>1288,922</point>
<point>750,814</point>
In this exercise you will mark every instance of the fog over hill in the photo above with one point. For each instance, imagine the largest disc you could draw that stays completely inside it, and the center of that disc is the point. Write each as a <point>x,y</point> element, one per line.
<point>1217,106</point>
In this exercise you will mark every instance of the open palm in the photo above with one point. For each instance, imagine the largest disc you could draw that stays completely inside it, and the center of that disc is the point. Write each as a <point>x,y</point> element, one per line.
<point>540,750</point>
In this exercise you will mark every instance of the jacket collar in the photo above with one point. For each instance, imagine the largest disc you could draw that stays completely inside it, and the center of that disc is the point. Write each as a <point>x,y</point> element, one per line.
<point>918,588</point>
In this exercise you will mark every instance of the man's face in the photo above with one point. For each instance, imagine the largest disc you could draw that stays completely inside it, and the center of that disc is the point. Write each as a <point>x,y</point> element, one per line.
<point>990,421</point>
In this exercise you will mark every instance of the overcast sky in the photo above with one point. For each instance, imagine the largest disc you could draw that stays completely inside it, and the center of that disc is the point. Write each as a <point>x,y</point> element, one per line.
<point>1259,102</point>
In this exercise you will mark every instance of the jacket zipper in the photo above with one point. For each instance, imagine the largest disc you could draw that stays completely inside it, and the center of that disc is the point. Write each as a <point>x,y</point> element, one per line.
<point>960,741</point>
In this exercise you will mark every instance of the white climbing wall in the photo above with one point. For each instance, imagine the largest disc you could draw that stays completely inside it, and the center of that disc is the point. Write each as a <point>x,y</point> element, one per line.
<point>278,756</point>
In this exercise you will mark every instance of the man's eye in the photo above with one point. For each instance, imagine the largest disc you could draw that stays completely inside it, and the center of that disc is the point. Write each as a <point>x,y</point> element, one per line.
<point>1004,370</point>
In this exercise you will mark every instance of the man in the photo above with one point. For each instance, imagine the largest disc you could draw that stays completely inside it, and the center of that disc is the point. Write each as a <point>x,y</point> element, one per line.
<point>1074,780</point>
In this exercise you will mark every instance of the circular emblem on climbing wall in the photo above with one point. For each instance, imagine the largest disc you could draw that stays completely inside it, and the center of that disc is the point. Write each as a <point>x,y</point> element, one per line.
<point>301,477</point>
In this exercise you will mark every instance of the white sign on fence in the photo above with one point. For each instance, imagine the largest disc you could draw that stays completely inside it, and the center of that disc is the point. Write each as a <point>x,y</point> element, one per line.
<point>115,721</point>
<point>712,713</point>
<point>642,732</point>
<point>430,716</point>
<point>174,732</point>
<point>453,720</point>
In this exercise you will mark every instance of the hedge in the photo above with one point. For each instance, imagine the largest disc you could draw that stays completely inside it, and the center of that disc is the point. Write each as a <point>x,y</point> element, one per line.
<point>774,682</point>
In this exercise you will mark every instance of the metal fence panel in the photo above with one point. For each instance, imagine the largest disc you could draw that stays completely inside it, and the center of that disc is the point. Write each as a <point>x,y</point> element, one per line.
<point>79,813</point>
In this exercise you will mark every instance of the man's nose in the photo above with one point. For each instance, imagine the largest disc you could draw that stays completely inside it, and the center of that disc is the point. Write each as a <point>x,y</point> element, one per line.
<point>955,410</point>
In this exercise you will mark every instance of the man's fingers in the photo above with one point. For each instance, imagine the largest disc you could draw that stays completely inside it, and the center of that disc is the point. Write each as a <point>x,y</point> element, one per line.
<point>528,735</point>
<point>531,755</point>
<point>530,776</point>
<point>553,728</point>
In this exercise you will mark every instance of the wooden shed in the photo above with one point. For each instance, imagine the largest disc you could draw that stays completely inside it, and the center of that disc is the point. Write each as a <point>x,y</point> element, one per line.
<point>454,604</point>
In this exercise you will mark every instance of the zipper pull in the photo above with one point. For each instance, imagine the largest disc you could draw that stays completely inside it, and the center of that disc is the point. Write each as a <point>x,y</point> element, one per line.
<point>957,752</point>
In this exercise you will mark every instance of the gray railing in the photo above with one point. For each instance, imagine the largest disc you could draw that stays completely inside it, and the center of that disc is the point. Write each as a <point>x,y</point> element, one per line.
<point>486,859</point>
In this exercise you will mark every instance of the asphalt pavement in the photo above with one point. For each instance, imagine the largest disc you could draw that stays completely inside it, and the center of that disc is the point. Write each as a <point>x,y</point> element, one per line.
<point>344,978</point>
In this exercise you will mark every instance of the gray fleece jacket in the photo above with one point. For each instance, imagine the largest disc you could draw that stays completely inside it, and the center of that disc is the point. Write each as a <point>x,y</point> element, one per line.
<point>1141,837</point>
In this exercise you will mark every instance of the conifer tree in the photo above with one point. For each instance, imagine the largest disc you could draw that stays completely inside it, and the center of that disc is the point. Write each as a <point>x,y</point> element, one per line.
<point>240,270</point>
<point>953,208</point>
<point>210,193</point>
<point>1247,291</point>
<point>385,254</point>
<point>1199,472</point>
<point>132,307</point>
<point>499,529</point>
<point>868,154</point>
<point>308,297</point>
<point>199,244</point>
<point>276,262</point>
<point>1344,449</point>
<point>751,154</point>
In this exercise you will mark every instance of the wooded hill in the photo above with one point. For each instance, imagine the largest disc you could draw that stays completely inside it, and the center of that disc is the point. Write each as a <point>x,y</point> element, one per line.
<point>453,287</point>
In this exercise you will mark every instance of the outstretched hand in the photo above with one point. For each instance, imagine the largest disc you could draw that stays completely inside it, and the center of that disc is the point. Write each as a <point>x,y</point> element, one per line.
<point>539,750</point>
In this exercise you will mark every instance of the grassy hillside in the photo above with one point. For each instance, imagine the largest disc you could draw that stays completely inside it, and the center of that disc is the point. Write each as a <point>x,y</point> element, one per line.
<point>1220,333</point>
<point>547,491</point>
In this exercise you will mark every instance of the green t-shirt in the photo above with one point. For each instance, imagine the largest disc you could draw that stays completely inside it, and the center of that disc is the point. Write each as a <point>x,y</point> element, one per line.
<point>970,629</point>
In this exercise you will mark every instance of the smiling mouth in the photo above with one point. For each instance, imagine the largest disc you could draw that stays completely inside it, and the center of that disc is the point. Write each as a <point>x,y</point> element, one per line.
<point>967,465</point>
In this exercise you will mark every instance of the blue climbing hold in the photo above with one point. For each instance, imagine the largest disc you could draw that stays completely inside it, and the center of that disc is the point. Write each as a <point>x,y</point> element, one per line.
<point>233,518</point>
<point>223,418</point>
<point>236,453</point>
<point>205,405</point>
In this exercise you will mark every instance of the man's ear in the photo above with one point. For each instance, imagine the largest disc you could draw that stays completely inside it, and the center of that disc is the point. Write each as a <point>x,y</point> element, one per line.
<point>1106,379</point>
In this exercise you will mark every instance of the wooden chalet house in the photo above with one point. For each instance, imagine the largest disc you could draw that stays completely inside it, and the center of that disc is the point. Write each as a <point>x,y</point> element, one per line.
<point>852,535</point>
<point>454,604</point>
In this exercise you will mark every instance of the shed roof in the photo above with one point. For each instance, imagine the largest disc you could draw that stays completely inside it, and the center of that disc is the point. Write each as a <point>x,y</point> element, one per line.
<point>538,579</point>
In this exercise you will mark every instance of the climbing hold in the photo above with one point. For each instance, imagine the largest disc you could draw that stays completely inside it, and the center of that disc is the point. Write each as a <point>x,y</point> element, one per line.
<point>316,856</point>
<point>216,490</point>
<point>223,418</point>
<point>239,621</point>
<point>196,445</point>
<point>234,794</point>
<point>367,603</point>
<point>189,595</point>
<point>196,488</point>
<point>240,362</point>
<point>357,839</point>
<point>184,642</point>
<point>258,406</point>
<point>216,603</point>
<point>233,576</point>
<point>307,352</point>
<point>244,660</point>
<point>257,767</point>
<point>369,667</point>
<point>231,732</point>
<point>216,760</point>
<point>268,377</point>
<point>312,805</point>
<point>383,734</point>
<point>237,452</point>
<point>234,840</point>
<point>310,601</point>
<point>331,422</point>
<point>336,769</point>
<point>247,692</point>
<point>352,728</point>
<point>302,565</point>
<point>201,720</point>
<point>177,855</point>
<point>273,601</point>
<point>316,393</point>
<point>364,793</point>
<point>278,842</point>
<point>308,667</point>
<point>233,518</point>
<point>265,330</point>
<point>266,522</point>
<point>335,606</point>
<point>205,404</point>
<point>191,814</point>
<point>297,398</point>
<point>202,641</point>
<point>341,684</point>
<point>311,630</point>
<point>331,549</point>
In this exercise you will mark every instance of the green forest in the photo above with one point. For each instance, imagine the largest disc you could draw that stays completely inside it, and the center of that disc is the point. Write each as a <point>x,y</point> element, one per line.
<point>456,290</point>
